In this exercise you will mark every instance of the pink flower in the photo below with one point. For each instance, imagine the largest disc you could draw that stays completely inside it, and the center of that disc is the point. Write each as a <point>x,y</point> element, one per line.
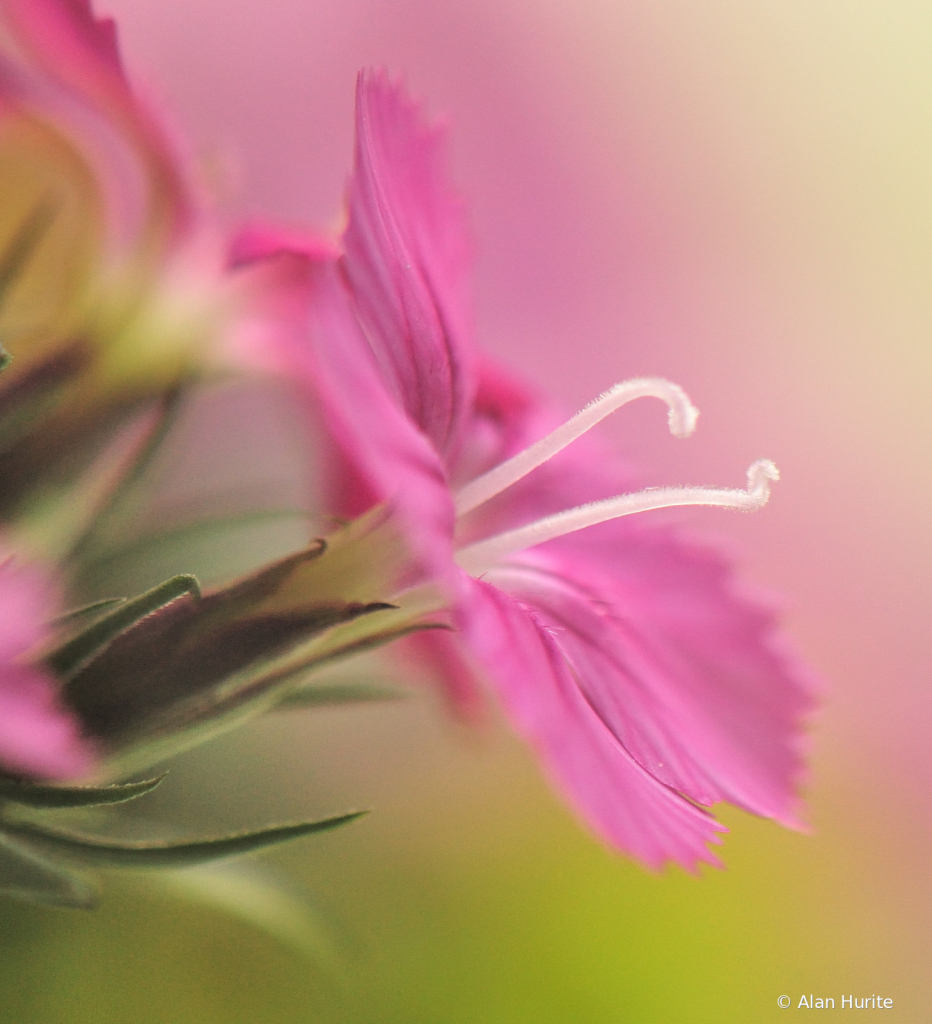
<point>60,69</point>
<point>38,737</point>
<point>647,683</point>
<point>115,268</point>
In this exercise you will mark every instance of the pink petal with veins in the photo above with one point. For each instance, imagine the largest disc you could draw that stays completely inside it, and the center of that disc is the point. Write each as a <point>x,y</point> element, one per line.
<point>621,802</point>
<point>686,669</point>
<point>382,457</point>
<point>687,673</point>
<point>304,326</point>
<point>406,261</point>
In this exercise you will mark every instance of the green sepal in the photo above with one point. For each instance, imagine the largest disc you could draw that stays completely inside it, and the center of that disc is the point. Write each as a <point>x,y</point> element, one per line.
<point>342,647</point>
<point>31,795</point>
<point>73,655</point>
<point>5,359</point>
<point>199,665</point>
<point>256,689</point>
<point>28,875</point>
<point>291,672</point>
<point>413,611</point>
<point>147,692</point>
<point>285,676</point>
<point>169,854</point>
<point>336,694</point>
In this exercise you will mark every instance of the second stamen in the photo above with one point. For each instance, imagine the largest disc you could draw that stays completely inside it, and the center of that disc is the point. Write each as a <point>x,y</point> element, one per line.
<point>474,558</point>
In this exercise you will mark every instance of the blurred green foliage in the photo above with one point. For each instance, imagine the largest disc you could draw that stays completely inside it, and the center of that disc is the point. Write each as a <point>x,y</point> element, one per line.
<point>484,904</point>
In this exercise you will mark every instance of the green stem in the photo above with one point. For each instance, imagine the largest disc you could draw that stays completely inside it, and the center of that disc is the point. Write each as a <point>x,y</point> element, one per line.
<point>170,405</point>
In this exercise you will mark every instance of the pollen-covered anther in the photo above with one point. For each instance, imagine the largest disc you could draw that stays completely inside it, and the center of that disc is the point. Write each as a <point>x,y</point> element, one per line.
<point>682,418</point>
<point>478,556</point>
<point>760,474</point>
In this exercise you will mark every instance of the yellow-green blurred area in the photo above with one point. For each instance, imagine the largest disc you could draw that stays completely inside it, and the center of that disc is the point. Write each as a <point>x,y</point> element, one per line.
<point>468,896</point>
<point>735,195</point>
<point>43,175</point>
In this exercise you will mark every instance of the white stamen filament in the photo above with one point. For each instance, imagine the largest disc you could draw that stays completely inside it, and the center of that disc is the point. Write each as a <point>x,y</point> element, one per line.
<point>682,419</point>
<point>474,558</point>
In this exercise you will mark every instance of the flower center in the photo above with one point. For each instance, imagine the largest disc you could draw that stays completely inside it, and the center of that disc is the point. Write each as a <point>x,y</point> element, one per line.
<point>482,554</point>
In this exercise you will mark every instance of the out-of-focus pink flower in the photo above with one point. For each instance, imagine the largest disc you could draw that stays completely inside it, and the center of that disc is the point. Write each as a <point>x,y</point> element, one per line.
<point>646,682</point>
<point>61,64</point>
<point>38,737</point>
<point>109,254</point>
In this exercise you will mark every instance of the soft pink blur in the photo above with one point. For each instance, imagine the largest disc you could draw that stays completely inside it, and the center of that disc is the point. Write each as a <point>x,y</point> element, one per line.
<point>711,194</point>
<point>37,735</point>
<point>731,195</point>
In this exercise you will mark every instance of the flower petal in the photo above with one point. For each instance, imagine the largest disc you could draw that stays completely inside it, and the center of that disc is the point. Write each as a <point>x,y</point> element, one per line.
<point>270,273</point>
<point>406,261</point>
<point>441,656</point>
<point>685,668</point>
<point>623,803</point>
<point>26,597</point>
<point>37,735</point>
<point>380,456</point>
<point>687,673</point>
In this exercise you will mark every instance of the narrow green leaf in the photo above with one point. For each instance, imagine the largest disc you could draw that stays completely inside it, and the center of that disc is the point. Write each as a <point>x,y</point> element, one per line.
<point>30,795</point>
<point>170,854</point>
<point>263,899</point>
<point>72,656</point>
<point>28,875</point>
<point>335,695</point>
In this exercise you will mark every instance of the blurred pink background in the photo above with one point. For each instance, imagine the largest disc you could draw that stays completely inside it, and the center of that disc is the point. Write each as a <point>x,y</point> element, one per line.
<point>736,196</point>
